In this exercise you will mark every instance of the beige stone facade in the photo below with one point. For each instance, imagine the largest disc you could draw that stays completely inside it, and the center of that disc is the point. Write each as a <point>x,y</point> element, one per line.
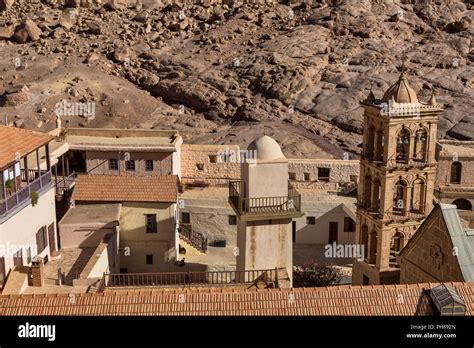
<point>429,257</point>
<point>397,176</point>
<point>217,164</point>
<point>455,176</point>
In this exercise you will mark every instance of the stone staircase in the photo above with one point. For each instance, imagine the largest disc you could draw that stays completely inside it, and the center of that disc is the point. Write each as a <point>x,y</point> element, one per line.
<point>193,241</point>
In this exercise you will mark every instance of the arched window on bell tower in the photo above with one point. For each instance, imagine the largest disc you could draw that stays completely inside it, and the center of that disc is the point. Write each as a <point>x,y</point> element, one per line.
<point>364,236</point>
<point>367,191</point>
<point>376,195</point>
<point>418,196</point>
<point>370,142</point>
<point>379,150</point>
<point>399,196</point>
<point>421,146</point>
<point>403,146</point>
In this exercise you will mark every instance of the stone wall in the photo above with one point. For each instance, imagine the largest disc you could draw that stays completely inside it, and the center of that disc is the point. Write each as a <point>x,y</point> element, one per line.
<point>447,157</point>
<point>97,163</point>
<point>429,258</point>
<point>203,164</point>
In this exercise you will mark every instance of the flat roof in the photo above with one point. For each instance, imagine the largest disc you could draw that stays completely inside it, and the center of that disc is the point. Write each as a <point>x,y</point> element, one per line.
<point>462,148</point>
<point>121,139</point>
<point>19,142</point>
<point>87,214</point>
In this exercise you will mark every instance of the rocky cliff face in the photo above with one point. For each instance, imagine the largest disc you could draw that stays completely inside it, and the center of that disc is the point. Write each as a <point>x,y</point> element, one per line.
<point>222,71</point>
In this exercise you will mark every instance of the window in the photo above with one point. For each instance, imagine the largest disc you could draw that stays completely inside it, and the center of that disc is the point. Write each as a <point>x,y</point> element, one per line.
<point>292,176</point>
<point>150,223</point>
<point>113,164</point>
<point>212,158</point>
<point>18,258</point>
<point>232,220</point>
<point>456,169</point>
<point>149,259</point>
<point>349,225</point>
<point>310,220</point>
<point>307,177</point>
<point>28,255</point>
<point>149,165</point>
<point>41,239</point>
<point>185,218</point>
<point>323,174</point>
<point>130,165</point>
<point>200,166</point>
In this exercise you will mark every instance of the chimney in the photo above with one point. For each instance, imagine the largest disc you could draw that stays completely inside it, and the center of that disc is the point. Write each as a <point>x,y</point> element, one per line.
<point>37,271</point>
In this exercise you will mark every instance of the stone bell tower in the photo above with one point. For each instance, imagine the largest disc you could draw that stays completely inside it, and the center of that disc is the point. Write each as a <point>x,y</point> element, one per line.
<point>265,205</point>
<point>397,175</point>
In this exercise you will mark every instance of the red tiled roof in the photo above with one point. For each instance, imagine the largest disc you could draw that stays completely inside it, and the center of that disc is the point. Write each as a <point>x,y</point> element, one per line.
<point>15,141</point>
<point>117,188</point>
<point>403,300</point>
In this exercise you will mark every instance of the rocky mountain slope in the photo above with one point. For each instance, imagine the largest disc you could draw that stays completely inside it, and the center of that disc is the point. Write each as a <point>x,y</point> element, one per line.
<point>226,71</point>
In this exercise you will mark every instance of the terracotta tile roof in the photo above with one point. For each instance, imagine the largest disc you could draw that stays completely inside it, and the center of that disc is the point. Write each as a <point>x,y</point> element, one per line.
<point>404,300</point>
<point>117,188</point>
<point>19,141</point>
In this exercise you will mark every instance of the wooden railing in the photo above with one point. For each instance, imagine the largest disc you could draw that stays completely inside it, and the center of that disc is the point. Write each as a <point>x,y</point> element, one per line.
<point>190,278</point>
<point>24,194</point>
<point>263,205</point>
<point>192,237</point>
<point>403,160</point>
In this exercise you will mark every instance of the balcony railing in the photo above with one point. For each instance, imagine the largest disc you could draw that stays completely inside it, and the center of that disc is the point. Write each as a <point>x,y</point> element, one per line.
<point>64,184</point>
<point>400,215</point>
<point>403,160</point>
<point>192,237</point>
<point>23,194</point>
<point>259,207</point>
<point>269,276</point>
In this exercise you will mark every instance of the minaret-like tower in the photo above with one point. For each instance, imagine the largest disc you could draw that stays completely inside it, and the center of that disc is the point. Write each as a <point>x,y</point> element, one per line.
<point>397,175</point>
<point>265,205</point>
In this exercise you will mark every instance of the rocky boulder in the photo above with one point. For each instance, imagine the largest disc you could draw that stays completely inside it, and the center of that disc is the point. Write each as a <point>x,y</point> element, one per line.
<point>27,31</point>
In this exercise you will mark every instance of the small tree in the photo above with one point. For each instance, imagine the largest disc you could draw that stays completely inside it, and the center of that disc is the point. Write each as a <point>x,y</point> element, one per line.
<point>34,198</point>
<point>313,274</point>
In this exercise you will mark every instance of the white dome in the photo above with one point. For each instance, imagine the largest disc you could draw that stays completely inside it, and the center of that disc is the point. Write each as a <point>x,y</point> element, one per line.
<point>267,149</point>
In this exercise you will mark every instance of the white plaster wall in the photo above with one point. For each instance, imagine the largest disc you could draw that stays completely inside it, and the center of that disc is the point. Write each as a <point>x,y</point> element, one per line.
<point>20,229</point>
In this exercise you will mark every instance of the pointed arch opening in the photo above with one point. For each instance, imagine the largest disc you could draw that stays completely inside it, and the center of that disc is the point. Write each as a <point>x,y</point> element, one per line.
<point>364,239</point>
<point>370,142</point>
<point>399,196</point>
<point>373,247</point>
<point>418,196</point>
<point>367,191</point>
<point>376,195</point>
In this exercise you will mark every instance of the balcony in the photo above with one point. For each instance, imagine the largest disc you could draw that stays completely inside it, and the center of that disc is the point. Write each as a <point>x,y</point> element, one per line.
<point>264,208</point>
<point>30,181</point>
<point>397,216</point>
<point>403,161</point>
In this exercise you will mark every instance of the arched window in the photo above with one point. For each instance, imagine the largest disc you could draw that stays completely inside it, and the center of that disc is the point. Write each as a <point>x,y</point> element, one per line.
<point>463,204</point>
<point>373,247</point>
<point>418,196</point>
<point>376,195</point>
<point>364,239</point>
<point>397,242</point>
<point>456,169</point>
<point>421,146</point>
<point>399,193</point>
<point>379,146</point>
<point>370,142</point>
<point>367,191</point>
<point>403,146</point>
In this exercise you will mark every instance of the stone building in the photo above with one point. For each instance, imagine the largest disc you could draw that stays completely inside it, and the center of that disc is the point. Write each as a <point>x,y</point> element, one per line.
<point>397,176</point>
<point>27,197</point>
<point>441,250</point>
<point>265,206</point>
<point>455,176</point>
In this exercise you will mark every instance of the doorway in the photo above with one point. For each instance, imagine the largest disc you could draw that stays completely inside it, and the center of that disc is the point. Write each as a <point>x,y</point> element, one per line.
<point>333,227</point>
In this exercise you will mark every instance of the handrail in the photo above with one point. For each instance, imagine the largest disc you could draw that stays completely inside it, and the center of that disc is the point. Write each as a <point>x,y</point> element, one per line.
<point>191,236</point>
<point>23,194</point>
<point>191,278</point>
<point>263,205</point>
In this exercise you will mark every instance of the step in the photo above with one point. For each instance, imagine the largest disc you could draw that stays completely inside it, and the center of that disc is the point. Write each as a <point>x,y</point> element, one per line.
<point>190,250</point>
